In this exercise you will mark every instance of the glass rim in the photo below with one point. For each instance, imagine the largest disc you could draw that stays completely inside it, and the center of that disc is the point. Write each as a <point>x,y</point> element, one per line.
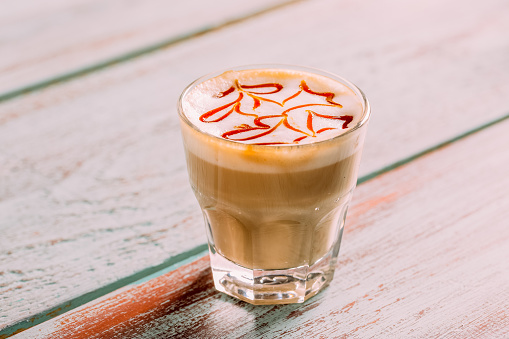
<point>366,113</point>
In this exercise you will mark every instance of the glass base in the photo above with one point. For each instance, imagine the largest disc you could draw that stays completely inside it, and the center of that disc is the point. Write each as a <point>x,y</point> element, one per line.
<point>264,287</point>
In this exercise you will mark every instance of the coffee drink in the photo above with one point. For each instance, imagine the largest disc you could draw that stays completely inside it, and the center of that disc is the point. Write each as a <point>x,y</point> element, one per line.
<point>272,156</point>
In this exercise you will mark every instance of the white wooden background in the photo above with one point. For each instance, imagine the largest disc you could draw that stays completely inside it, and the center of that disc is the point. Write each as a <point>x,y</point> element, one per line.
<point>43,40</point>
<point>93,187</point>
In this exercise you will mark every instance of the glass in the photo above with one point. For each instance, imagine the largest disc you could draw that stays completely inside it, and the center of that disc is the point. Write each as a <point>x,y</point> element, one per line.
<point>274,219</point>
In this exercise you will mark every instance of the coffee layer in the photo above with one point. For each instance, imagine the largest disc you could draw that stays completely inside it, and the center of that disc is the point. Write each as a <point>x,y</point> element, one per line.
<point>273,220</point>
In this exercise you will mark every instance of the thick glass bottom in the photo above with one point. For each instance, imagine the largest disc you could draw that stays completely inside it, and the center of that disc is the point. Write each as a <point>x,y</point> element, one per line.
<point>282,286</point>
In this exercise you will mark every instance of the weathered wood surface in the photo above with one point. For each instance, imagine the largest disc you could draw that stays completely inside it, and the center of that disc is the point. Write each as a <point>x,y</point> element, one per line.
<point>93,185</point>
<point>43,39</point>
<point>424,256</point>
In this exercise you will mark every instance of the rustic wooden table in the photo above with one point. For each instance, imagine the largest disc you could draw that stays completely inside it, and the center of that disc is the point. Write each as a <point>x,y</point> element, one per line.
<point>101,237</point>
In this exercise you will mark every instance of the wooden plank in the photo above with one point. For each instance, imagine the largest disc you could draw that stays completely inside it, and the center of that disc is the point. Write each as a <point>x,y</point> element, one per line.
<point>42,40</point>
<point>102,191</point>
<point>424,255</point>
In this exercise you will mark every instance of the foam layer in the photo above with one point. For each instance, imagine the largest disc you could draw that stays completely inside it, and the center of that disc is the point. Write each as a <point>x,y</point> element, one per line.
<point>272,107</point>
<point>298,115</point>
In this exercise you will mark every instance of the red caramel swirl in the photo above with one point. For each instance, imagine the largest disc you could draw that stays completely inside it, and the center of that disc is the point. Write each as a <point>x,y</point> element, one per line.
<point>276,113</point>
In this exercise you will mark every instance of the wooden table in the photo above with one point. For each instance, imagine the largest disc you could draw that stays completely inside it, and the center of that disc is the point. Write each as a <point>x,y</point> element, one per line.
<point>101,236</point>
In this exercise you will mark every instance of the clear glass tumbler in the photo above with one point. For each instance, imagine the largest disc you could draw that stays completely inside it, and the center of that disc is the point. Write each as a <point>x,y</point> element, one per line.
<point>274,214</point>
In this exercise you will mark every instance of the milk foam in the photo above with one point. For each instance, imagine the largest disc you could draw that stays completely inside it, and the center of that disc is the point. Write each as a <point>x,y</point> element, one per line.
<point>298,107</point>
<point>232,102</point>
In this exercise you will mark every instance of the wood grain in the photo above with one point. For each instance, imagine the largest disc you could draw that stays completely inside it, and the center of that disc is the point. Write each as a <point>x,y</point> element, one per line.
<point>424,256</point>
<point>93,186</point>
<point>43,40</point>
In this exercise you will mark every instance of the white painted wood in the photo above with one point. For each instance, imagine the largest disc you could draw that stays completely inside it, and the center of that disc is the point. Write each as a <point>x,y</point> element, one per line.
<point>94,186</point>
<point>44,39</point>
<point>424,256</point>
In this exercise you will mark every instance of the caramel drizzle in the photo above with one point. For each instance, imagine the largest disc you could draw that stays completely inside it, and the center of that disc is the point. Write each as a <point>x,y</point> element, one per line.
<point>235,105</point>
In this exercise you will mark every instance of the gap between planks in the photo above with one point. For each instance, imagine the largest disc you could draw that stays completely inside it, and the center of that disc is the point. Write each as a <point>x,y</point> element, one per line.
<point>201,250</point>
<point>139,52</point>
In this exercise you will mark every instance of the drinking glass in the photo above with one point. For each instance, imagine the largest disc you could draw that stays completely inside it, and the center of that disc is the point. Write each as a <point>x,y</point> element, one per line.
<point>274,214</point>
